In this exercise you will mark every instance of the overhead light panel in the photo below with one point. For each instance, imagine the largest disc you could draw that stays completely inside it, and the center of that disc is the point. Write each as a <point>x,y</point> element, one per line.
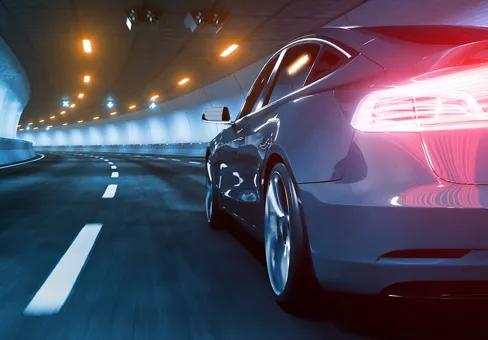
<point>65,103</point>
<point>31,123</point>
<point>72,105</point>
<point>64,124</point>
<point>183,81</point>
<point>96,118</point>
<point>132,107</point>
<point>36,128</point>
<point>21,129</point>
<point>113,113</point>
<point>87,79</point>
<point>155,97</point>
<point>41,121</point>
<point>229,50</point>
<point>62,112</point>
<point>87,46</point>
<point>80,121</point>
<point>52,117</point>
<point>81,95</point>
<point>298,64</point>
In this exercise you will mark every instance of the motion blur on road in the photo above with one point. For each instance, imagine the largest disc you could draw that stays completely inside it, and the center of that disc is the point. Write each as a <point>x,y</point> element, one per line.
<point>105,171</point>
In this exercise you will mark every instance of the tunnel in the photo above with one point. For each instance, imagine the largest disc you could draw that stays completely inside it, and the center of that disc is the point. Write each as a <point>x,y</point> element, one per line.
<point>143,197</point>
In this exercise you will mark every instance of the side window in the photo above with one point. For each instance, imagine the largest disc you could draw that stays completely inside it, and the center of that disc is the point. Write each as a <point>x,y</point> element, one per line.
<point>253,100</point>
<point>294,69</point>
<point>328,60</point>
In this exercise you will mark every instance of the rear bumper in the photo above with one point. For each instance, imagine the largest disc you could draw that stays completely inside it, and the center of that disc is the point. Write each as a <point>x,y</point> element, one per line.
<point>349,238</point>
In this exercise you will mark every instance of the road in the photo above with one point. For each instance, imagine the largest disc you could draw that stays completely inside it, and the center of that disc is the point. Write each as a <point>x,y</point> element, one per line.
<point>150,266</point>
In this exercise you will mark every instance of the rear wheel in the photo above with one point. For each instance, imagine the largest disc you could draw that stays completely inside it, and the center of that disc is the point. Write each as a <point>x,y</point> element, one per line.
<point>287,255</point>
<point>215,215</point>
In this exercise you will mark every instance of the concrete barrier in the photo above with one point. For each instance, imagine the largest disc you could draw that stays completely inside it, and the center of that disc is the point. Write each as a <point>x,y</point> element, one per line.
<point>169,149</point>
<point>14,150</point>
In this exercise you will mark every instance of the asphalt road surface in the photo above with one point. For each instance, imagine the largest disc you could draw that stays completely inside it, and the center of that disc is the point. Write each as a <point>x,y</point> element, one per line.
<point>114,246</point>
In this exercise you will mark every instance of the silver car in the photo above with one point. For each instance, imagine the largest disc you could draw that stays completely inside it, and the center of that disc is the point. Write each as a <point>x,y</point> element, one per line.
<point>360,159</point>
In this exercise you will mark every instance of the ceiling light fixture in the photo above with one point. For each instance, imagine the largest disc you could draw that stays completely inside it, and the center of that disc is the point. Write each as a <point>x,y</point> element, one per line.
<point>113,113</point>
<point>31,123</point>
<point>87,46</point>
<point>132,107</point>
<point>65,103</point>
<point>36,128</point>
<point>21,129</point>
<point>52,117</point>
<point>96,118</point>
<point>155,97</point>
<point>87,79</point>
<point>229,50</point>
<point>62,112</point>
<point>81,95</point>
<point>27,128</point>
<point>80,121</point>
<point>41,121</point>
<point>72,105</point>
<point>183,81</point>
<point>64,124</point>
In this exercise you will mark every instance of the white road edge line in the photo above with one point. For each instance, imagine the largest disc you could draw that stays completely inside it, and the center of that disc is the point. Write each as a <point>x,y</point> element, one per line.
<point>174,159</point>
<point>110,191</point>
<point>110,163</point>
<point>115,175</point>
<point>33,160</point>
<point>195,163</point>
<point>52,295</point>
<point>114,167</point>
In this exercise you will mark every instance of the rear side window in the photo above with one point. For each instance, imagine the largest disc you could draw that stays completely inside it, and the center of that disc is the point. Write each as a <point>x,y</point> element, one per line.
<point>294,69</point>
<point>328,60</point>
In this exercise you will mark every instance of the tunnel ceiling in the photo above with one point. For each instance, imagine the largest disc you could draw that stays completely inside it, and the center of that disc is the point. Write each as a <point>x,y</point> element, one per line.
<point>130,66</point>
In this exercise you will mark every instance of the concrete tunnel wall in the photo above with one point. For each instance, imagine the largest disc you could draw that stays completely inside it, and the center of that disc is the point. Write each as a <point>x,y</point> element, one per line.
<point>14,95</point>
<point>178,121</point>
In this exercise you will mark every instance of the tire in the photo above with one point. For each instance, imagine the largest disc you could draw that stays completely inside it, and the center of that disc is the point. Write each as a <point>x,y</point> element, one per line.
<point>216,217</point>
<point>286,242</point>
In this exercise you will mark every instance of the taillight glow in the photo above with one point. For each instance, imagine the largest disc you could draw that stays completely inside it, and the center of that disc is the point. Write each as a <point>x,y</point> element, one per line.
<point>449,102</point>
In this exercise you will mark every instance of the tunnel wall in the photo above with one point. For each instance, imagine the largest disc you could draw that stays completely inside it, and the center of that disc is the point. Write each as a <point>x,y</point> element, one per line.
<point>14,96</point>
<point>12,151</point>
<point>178,121</point>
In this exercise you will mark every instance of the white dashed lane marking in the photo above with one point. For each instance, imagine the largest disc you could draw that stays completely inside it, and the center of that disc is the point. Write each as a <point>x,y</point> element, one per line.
<point>115,175</point>
<point>110,163</point>
<point>114,167</point>
<point>110,191</point>
<point>195,162</point>
<point>53,293</point>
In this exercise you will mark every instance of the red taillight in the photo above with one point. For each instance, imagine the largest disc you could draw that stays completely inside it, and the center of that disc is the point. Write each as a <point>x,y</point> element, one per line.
<point>458,100</point>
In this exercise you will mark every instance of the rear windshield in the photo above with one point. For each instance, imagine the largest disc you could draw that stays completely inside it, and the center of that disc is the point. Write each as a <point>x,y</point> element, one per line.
<point>432,35</point>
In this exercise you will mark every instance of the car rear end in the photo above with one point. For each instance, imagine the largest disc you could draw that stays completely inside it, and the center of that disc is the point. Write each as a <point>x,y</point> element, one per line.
<point>409,218</point>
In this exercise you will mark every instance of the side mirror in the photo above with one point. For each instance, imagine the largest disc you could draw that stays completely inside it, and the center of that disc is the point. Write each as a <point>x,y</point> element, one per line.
<point>219,115</point>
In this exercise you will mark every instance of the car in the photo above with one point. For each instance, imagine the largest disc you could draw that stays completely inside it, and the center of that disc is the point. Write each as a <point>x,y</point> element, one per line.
<point>359,159</point>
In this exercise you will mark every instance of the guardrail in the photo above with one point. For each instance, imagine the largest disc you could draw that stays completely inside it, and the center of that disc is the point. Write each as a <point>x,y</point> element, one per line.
<point>176,149</point>
<point>15,150</point>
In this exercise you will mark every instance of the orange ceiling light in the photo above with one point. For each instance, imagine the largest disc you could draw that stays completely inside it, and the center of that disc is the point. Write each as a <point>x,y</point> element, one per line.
<point>80,121</point>
<point>113,113</point>
<point>96,118</point>
<point>72,105</point>
<point>87,47</point>
<point>229,50</point>
<point>132,107</point>
<point>81,95</point>
<point>62,112</point>
<point>41,121</point>
<point>86,79</point>
<point>64,124</point>
<point>156,96</point>
<point>298,64</point>
<point>183,81</point>
<point>52,117</point>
